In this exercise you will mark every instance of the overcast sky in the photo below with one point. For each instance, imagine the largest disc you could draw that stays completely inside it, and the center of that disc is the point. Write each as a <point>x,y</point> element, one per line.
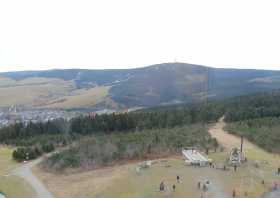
<point>101,34</point>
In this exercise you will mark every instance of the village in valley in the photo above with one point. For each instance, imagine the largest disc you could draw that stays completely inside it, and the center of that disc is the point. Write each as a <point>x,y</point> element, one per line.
<point>16,114</point>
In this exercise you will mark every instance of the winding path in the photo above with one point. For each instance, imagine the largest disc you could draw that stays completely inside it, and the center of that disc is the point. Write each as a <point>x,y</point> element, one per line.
<point>229,141</point>
<point>25,172</point>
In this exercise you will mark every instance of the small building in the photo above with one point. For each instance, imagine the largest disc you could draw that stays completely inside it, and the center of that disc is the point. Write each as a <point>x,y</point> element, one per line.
<point>194,157</point>
<point>236,156</point>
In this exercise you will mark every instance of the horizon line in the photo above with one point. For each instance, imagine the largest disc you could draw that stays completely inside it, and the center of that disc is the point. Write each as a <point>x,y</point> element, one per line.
<point>140,67</point>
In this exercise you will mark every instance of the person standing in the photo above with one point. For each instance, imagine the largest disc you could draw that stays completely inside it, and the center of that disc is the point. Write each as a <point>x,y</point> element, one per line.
<point>161,186</point>
<point>199,185</point>
<point>233,193</point>
<point>235,167</point>
<point>174,187</point>
<point>204,187</point>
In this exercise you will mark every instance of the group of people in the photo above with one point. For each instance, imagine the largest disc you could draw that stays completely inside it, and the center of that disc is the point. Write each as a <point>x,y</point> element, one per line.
<point>162,186</point>
<point>203,187</point>
<point>200,185</point>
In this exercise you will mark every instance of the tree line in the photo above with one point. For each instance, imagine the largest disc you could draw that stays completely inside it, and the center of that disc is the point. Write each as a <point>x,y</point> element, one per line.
<point>167,117</point>
<point>34,139</point>
<point>252,106</point>
<point>95,151</point>
<point>265,132</point>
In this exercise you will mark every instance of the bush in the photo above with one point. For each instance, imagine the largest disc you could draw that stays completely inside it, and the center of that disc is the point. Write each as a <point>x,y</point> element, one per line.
<point>26,153</point>
<point>48,147</point>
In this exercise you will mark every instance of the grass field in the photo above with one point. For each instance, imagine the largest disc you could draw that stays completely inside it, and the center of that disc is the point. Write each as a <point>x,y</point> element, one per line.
<point>12,186</point>
<point>82,98</point>
<point>124,181</point>
<point>49,92</point>
<point>32,91</point>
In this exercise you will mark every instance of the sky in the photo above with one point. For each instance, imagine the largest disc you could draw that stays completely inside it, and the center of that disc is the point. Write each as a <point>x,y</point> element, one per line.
<point>105,34</point>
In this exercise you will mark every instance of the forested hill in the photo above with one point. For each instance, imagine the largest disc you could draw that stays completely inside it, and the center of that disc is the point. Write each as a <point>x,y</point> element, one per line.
<point>154,85</point>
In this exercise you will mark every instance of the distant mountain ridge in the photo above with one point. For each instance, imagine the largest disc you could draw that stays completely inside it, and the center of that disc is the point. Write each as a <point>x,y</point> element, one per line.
<point>124,88</point>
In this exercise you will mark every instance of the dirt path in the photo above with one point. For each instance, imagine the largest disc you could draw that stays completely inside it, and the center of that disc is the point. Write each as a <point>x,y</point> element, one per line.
<point>229,141</point>
<point>25,172</point>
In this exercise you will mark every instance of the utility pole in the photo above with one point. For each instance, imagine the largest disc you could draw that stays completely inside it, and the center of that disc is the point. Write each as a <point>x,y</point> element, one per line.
<point>241,146</point>
<point>207,85</point>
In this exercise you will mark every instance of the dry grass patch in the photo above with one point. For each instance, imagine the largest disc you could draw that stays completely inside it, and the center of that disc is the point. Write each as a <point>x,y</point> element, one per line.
<point>32,91</point>
<point>82,98</point>
<point>124,181</point>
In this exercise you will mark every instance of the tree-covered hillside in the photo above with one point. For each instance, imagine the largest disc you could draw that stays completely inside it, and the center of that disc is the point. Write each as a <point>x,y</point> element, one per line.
<point>265,132</point>
<point>253,106</point>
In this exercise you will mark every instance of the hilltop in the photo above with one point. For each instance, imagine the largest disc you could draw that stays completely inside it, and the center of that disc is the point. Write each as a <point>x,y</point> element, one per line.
<point>160,84</point>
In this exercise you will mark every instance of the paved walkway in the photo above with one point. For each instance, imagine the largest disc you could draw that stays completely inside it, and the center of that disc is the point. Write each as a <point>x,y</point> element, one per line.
<point>25,172</point>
